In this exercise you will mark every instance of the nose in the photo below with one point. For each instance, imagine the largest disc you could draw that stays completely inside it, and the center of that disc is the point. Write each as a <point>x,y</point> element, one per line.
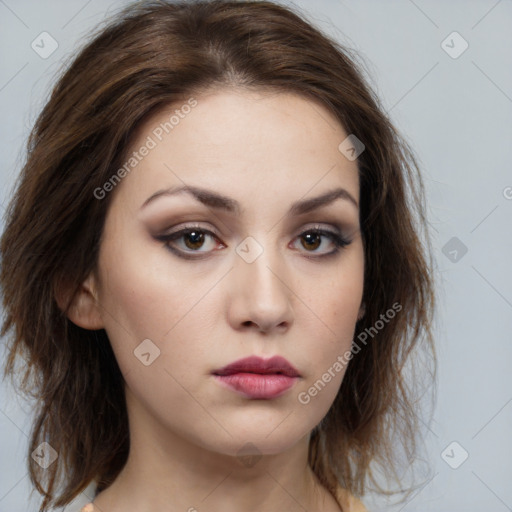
<point>260,295</point>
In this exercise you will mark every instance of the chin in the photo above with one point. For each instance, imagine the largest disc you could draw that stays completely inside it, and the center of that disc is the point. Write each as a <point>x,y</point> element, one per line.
<point>257,434</point>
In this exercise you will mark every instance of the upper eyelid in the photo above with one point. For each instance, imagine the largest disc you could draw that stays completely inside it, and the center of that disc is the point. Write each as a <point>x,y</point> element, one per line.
<point>185,229</point>
<point>335,229</point>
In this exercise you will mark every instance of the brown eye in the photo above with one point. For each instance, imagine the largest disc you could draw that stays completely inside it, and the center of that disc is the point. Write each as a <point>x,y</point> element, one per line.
<point>312,239</point>
<point>194,239</point>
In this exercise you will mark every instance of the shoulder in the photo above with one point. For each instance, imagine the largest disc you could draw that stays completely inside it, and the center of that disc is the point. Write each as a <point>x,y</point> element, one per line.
<point>348,502</point>
<point>88,508</point>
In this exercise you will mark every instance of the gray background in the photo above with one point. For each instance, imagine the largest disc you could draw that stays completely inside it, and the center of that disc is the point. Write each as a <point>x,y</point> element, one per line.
<point>457,113</point>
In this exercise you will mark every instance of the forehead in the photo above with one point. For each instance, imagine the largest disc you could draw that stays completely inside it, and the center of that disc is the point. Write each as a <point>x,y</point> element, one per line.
<point>246,143</point>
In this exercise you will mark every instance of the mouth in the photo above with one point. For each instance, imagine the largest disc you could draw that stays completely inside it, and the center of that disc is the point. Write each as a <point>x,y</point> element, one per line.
<point>257,378</point>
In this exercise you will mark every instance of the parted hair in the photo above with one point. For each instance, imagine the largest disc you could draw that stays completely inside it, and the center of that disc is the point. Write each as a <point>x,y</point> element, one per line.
<point>147,56</point>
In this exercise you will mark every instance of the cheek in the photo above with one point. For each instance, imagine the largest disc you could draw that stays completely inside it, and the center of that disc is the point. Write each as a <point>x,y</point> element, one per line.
<point>155,335</point>
<point>141,287</point>
<point>156,314</point>
<point>331,329</point>
<point>337,298</point>
<point>137,304</point>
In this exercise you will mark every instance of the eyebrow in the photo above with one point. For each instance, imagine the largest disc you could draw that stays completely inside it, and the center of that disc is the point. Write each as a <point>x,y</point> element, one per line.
<point>221,202</point>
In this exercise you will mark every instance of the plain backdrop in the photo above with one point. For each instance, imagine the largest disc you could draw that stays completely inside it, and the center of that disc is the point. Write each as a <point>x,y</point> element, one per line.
<point>442,70</point>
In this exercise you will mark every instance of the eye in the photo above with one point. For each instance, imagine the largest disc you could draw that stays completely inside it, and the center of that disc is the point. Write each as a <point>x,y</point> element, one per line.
<point>312,239</point>
<point>193,238</point>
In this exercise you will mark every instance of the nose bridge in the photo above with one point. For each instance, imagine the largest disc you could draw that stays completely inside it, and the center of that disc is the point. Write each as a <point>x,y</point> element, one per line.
<point>259,262</point>
<point>260,281</point>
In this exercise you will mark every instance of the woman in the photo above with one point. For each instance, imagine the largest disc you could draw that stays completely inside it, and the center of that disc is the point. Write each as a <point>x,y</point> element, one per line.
<point>212,269</point>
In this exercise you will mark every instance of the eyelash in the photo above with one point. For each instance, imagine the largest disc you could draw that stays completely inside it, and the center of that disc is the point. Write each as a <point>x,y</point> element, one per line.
<point>338,241</point>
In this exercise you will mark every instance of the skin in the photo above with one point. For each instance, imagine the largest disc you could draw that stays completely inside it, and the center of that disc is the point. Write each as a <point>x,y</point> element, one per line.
<point>265,151</point>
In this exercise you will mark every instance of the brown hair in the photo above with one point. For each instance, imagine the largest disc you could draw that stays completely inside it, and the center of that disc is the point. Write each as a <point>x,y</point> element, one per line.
<point>154,54</point>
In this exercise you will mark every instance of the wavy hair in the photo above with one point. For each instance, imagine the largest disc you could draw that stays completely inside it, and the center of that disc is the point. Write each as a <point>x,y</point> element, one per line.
<point>150,55</point>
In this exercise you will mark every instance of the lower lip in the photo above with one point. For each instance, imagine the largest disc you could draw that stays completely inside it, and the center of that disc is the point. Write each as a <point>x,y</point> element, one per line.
<point>258,386</point>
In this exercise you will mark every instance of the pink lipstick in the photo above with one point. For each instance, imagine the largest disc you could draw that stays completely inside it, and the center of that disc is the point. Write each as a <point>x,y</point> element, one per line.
<point>257,378</point>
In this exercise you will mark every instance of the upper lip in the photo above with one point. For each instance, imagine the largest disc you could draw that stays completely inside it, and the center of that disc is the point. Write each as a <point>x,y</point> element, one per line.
<point>255,364</point>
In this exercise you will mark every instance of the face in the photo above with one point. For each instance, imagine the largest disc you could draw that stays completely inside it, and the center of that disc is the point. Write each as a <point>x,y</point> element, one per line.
<point>243,264</point>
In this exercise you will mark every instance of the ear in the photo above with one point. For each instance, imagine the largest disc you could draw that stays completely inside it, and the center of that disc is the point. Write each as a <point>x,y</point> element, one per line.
<point>362,311</point>
<point>83,309</point>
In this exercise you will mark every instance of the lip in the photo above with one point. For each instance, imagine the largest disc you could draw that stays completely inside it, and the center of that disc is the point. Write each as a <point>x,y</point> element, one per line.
<point>257,378</point>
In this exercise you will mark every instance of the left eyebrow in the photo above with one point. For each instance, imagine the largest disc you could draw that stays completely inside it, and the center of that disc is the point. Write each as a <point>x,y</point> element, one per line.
<point>308,205</point>
<point>218,201</point>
